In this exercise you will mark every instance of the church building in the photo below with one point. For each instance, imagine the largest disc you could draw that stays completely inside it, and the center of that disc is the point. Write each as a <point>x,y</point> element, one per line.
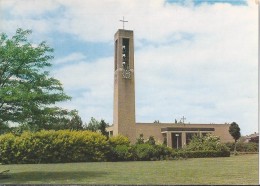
<point>124,121</point>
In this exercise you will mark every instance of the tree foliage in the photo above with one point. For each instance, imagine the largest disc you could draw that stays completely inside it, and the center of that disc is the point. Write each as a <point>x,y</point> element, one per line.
<point>102,127</point>
<point>234,131</point>
<point>95,125</point>
<point>27,92</point>
<point>206,143</point>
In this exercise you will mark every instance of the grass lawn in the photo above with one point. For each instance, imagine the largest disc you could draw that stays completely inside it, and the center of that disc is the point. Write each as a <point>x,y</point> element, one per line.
<point>242,169</point>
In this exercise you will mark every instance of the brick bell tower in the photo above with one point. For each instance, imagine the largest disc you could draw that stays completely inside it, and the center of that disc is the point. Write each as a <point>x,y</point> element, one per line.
<point>124,85</point>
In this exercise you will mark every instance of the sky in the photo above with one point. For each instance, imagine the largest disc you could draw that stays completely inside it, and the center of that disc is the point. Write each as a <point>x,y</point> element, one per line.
<point>193,58</point>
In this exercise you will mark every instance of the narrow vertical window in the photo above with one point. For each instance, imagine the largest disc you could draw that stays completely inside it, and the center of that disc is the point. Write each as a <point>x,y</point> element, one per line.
<point>125,53</point>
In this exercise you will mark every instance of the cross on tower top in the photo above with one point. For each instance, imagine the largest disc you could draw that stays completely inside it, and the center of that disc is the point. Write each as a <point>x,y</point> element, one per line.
<point>123,22</point>
<point>183,118</point>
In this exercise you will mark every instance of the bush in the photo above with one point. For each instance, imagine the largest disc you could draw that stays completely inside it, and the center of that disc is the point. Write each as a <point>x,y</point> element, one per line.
<point>123,153</point>
<point>84,146</point>
<point>53,147</point>
<point>163,152</point>
<point>6,148</point>
<point>203,146</point>
<point>206,143</point>
<point>243,147</point>
<point>144,152</point>
<point>151,140</point>
<point>119,140</point>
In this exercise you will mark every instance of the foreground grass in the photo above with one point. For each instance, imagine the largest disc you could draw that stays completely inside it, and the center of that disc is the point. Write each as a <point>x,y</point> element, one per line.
<point>241,169</point>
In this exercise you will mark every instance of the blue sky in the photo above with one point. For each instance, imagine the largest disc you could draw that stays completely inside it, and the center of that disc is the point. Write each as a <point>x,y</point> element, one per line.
<point>196,59</point>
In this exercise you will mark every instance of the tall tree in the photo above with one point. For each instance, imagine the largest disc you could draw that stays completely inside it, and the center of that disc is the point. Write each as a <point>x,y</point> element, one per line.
<point>97,126</point>
<point>92,125</point>
<point>234,131</point>
<point>27,92</point>
<point>102,127</point>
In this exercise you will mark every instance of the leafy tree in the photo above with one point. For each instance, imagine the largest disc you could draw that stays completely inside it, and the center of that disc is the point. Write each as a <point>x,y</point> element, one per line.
<point>75,122</point>
<point>95,125</point>
<point>4,128</point>
<point>234,131</point>
<point>102,127</point>
<point>27,93</point>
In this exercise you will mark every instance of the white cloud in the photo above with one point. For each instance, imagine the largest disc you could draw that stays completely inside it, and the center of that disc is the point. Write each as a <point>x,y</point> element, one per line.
<point>28,8</point>
<point>71,58</point>
<point>90,84</point>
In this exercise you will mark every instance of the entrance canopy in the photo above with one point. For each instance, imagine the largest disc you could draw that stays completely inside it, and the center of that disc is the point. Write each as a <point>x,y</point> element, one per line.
<point>177,137</point>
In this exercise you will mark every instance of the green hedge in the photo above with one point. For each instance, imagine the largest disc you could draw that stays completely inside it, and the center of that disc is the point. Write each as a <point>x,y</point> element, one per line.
<point>86,146</point>
<point>244,147</point>
<point>53,147</point>
<point>200,154</point>
<point>138,152</point>
<point>123,153</point>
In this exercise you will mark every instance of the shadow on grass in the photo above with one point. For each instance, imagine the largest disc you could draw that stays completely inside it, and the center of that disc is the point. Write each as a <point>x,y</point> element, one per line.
<point>51,176</point>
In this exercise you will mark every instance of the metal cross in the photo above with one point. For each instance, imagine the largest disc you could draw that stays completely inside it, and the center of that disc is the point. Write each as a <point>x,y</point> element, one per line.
<point>123,22</point>
<point>183,118</point>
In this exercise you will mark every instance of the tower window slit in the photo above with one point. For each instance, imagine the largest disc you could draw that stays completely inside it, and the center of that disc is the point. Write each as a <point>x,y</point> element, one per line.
<point>125,53</point>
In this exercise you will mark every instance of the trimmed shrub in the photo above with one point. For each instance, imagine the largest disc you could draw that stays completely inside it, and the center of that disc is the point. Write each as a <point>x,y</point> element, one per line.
<point>118,140</point>
<point>163,152</point>
<point>85,146</point>
<point>119,149</point>
<point>6,148</point>
<point>144,152</point>
<point>200,154</point>
<point>123,153</point>
<point>53,147</point>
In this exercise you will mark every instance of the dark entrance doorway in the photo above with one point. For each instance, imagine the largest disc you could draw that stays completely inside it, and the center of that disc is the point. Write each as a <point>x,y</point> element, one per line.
<point>176,140</point>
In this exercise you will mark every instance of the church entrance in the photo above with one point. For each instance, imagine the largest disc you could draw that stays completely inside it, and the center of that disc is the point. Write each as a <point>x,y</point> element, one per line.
<point>176,140</point>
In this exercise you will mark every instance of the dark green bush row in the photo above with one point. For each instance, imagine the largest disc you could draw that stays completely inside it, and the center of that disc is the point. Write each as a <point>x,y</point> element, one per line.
<point>139,152</point>
<point>146,152</point>
<point>200,154</point>
<point>244,147</point>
